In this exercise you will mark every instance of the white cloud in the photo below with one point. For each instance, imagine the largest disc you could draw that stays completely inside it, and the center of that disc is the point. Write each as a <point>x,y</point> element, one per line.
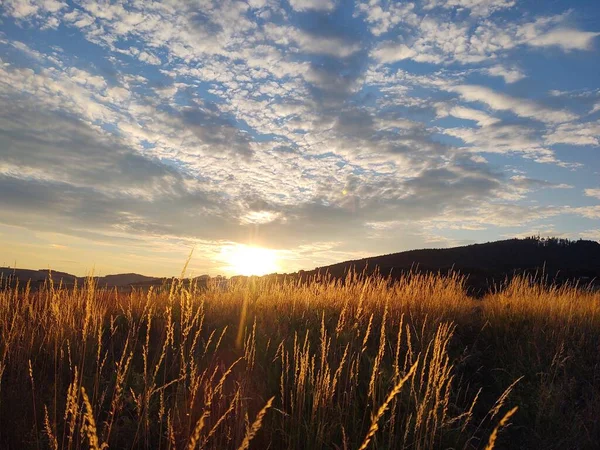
<point>565,38</point>
<point>589,212</point>
<point>21,9</point>
<point>593,193</point>
<point>324,45</point>
<point>149,58</point>
<point>476,7</point>
<point>510,75</point>
<point>575,134</point>
<point>27,9</point>
<point>435,40</point>
<point>390,52</point>
<point>519,106</point>
<point>78,18</point>
<point>318,5</point>
<point>462,112</point>
<point>510,139</point>
<point>86,79</point>
<point>593,235</point>
<point>383,16</point>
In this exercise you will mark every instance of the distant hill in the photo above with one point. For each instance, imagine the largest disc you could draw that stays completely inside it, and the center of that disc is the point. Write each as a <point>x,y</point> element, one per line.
<point>124,279</point>
<point>554,254</point>
<point>558,259</point>
<point>38,277</point>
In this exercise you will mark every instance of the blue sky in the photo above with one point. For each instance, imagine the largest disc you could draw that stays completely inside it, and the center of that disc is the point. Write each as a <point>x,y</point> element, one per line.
<point>324,130</point>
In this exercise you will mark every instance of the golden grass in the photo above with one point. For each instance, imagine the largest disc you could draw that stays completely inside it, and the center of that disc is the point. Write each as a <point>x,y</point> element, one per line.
<point>503,422</point>
<point>358,363</point>
<point>384,407</point>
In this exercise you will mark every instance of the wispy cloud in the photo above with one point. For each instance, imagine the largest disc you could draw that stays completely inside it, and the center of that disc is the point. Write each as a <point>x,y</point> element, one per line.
<point>520,106</point>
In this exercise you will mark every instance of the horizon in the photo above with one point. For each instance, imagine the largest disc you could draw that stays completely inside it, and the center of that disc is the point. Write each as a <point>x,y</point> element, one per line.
<point>282,136</point>
<point>225,274</point>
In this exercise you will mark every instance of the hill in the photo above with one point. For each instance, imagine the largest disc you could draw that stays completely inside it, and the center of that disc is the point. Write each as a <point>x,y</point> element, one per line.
<point>485,264</point>
<point>38,277</point>
<point>124,279</point>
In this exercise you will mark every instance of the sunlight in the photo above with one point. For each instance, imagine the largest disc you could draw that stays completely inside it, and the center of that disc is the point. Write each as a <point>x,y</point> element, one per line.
<point>250,260</point>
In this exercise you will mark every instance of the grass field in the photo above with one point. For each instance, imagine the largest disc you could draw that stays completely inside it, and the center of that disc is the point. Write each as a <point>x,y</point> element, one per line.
<point>359,363</point>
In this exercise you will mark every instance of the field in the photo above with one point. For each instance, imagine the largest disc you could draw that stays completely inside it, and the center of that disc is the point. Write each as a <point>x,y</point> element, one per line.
<point>358,363</point>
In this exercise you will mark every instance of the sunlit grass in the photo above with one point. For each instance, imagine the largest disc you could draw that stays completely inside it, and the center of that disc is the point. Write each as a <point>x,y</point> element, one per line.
<point>357,363</point>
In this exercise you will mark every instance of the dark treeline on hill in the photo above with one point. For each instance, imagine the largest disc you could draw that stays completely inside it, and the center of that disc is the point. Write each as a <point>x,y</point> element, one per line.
<point>486,266</point>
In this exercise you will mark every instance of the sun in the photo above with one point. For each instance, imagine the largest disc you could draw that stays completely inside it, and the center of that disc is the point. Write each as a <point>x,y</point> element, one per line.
<point>249,260</point>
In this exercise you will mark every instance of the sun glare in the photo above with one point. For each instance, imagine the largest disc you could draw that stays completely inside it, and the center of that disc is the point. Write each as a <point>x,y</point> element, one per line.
<point>249,260</point>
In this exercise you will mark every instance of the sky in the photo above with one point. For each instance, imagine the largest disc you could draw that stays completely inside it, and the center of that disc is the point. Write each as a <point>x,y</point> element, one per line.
<point>132,132</point>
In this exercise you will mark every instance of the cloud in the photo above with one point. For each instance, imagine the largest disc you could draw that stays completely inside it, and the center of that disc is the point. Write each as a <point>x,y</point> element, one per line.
<point>519,106</point>
<point>317,5</point>
<point>525,183</point>
<point>504,139</point>
<point>595,193</point>
<point>21,9</point>
<point>216,131</point>
<point>589,212</point>
<point>434,39</point>
<point>383,16</point>
<point>147,57</point>
<point>594,235</point>
<point>461,112</point>
<point>391,52</point>
<point>477,7</point>
<point>583,134</point>
<point>216,121</point>
<point>322,45</point>
<point>510,75</point>
<point>565,38</point>
<point>37,145</point>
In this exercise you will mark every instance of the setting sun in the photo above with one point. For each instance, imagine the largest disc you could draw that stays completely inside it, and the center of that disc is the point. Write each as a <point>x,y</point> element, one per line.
<point>250,260</point>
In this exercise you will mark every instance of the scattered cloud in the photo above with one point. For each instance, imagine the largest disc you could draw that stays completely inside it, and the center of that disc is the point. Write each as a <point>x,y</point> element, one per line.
<point>593,235</point>
<point>581,134</point>
<point>520,106</point>
<point>593,193</point>
<point>589,212</point>
<point>318,5</point>
<point>510,75</point>
<point>390,52</point>
<point>293,124</point>
<point>565,38</point>
<point>482,8</point>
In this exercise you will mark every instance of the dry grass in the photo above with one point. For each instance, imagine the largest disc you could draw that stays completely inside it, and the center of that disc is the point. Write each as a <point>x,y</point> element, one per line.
<point>358,363</point>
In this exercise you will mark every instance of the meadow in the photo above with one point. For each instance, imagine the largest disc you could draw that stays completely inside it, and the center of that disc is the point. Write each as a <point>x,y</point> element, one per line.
<point>359,363</point>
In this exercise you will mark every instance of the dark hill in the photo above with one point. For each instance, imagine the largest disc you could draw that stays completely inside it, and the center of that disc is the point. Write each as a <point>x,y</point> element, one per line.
<point>36,276</point>
<point>485,264</point>
<point>496,256</point>
<point>39,277</point>
<point>124,279</point>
